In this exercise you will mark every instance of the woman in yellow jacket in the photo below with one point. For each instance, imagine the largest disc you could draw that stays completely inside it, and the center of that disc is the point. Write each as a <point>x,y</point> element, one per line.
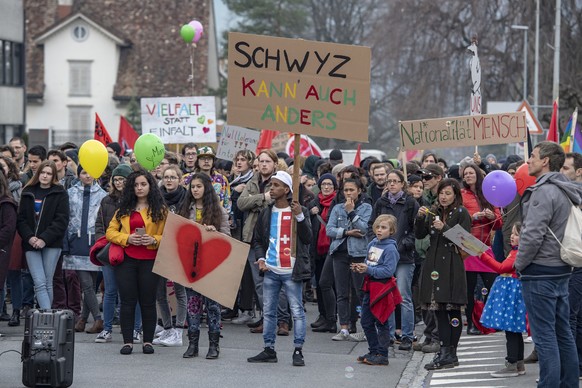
<point>137,226</point>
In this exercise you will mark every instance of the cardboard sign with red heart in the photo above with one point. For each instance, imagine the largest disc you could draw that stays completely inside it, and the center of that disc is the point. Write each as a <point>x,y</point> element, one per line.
<point>210,263</point>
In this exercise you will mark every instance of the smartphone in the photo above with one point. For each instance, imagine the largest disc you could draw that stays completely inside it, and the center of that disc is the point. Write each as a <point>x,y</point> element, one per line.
<point>140,231</point>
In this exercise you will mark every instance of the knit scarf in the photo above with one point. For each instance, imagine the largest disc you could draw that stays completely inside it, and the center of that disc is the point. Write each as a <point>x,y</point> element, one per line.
<point>323,242</point>
<point>393,198</point>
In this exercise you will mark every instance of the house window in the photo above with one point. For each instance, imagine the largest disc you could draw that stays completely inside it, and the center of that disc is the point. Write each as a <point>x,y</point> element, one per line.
<point>80,118</point>
<point>80,33</point>
<point>80,78</point>
<point>11,62</point>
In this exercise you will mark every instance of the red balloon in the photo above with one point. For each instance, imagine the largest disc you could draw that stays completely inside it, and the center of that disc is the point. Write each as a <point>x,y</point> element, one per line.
<point>522,179</point>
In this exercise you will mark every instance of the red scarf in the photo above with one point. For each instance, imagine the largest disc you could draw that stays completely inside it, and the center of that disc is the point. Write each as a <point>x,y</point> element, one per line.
<point>323,241</point>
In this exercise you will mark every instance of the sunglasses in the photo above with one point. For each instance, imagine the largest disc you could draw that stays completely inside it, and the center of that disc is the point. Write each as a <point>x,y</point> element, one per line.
<point>427,177</point>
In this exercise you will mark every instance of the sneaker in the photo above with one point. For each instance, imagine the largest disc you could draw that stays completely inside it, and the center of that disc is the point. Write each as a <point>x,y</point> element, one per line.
<point>363,358</point>
<point>298,358</point>
<point>267,355</point>
<point>433,347</point>
<point>358,337</point>
<point>243,318</point>
<point>528,340</point>
<point>521,368</point>
<point>405,344</point>
<point>164,334</point>
<point>158,330</point>
<point>377,359</point>
<point>103,337</point>
<point>136,337</point>
<point>532,358</point>
<point>174,339</point>
<point>510,370</point>
<point>397,338</point>
<point>341,336</point>
<point>228,315</point>
<point>417,346</point>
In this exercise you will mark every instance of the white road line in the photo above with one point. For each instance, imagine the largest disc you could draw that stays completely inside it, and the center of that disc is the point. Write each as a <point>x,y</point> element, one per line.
<point>465,365</point>
<point>452,373</point>
<point>460,381</point>
<point>459,354</point>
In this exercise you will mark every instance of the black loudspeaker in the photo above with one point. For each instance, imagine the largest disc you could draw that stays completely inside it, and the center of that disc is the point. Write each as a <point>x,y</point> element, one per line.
<point>48,348</point>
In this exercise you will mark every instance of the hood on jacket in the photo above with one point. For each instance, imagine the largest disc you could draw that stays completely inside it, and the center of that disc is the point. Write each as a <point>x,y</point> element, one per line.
<point>384,243</point>
<point>572,189</point>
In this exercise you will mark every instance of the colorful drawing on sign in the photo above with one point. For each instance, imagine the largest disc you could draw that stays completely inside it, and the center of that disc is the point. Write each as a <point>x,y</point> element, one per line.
<point>463,131</point>
<point>211,263</point>
<point>179,120</point>
<point>234,139</point>
<point>298,86</point>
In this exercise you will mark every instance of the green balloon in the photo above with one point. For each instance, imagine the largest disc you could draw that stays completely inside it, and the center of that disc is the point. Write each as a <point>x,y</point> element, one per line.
<point>187,32</point>
<point>149,151</point>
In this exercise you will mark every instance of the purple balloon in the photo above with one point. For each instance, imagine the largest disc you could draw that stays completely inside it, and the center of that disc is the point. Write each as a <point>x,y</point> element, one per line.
<point>499,188</point>
<point>198,30</point>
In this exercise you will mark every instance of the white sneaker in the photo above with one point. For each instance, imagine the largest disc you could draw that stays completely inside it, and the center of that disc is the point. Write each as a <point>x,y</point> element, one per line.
<point>174,339</point>
<point>136,337</point>
<point>164,334</point>
<point>528,340</point>
<point>103,337</point>
<point>158,330</point>
<point>243,318</point>
<point>341,336</point>
<point>358,337</point>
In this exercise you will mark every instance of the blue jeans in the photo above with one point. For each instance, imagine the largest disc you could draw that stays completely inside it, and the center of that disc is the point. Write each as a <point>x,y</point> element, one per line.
<point>272,285</point>
<point>377,334</point>
<point>547,305</point>
<point>575,297</point>
<point>42,264</point>
<point>404,274</point>
<point>14,280</point>
<point>27,288</point>
<point>110,299</point>
<point>164,306</point>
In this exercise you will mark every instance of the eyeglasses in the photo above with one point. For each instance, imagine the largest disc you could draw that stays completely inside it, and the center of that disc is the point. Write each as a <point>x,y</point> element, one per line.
<point>390,181</point>
<point>190,154</point>
<point>427,177</point>
<point>205,158</point>
<point>171,178</point>
<point>119,180</point>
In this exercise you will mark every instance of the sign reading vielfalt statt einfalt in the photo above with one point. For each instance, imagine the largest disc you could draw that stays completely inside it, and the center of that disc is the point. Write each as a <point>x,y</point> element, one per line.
<point>180,120</point>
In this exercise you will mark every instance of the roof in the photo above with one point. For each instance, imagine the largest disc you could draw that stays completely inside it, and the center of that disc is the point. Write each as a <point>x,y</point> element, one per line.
<point>155,64</point>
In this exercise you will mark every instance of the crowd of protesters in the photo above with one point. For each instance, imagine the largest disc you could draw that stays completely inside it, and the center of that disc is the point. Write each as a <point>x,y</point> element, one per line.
<point>359,229</point>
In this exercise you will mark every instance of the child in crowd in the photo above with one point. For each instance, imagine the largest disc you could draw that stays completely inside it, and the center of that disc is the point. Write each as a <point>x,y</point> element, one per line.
<point>505,308</point>
<point>381,294</point>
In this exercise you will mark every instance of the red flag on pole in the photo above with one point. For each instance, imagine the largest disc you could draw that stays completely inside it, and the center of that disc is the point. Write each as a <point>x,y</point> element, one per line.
<point>358,157</point>
<point>553,131</point>
<point>101,133</point>
<point>127,135</point>
<point>266,139</point>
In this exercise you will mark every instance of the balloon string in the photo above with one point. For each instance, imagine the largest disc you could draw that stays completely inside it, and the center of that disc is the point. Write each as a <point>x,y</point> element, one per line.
<point>192,46</point>
<point>495,219</point>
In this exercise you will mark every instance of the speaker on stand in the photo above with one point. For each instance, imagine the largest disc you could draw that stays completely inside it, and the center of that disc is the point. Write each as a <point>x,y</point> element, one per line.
<point>48,348</point>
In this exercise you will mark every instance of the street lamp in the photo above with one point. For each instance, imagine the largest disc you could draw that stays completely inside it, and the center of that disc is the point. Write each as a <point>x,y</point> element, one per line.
<point>524,29</point>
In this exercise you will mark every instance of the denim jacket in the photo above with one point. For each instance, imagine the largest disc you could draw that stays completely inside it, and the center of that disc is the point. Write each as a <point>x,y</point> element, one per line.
<point>340,220</point>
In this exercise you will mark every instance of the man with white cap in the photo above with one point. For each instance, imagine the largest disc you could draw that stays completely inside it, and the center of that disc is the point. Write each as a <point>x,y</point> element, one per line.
<point>272,241</point>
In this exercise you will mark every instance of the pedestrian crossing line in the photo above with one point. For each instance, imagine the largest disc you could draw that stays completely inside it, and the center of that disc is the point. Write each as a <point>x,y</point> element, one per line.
<point>471,353</point>
<point>478,347</point>
<point>465,365</point>
<point>455,372</point>
<point>462,381</point>
<point>500,340</point>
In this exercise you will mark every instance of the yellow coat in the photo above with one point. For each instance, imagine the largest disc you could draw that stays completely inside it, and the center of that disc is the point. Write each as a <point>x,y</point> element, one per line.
<point>118,231</point>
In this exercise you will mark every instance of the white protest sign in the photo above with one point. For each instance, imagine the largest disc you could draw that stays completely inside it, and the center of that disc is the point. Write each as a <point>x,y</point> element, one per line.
<point>179,120</point>
<point>234,139</point>
<point>465,240</point>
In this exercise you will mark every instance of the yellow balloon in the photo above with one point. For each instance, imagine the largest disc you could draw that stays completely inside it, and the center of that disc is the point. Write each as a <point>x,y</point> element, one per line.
<point>93,157</point>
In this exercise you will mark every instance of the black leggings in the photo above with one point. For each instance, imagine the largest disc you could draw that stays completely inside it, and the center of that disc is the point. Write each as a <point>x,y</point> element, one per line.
<point>137,283</point>
<point>514,347</point>
<point>488,279</point>
<point>449,330</point>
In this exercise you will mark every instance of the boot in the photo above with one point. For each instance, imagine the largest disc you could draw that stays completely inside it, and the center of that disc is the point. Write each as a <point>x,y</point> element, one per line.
<point>213,348</point>
<point>96,328</point>
<point>192,351</point>
<point>320,321</point>
<point>328,326</point>
<point>454,356</point>
<point>80,326</point>
<point>444,361</point>
<point>15,318</point>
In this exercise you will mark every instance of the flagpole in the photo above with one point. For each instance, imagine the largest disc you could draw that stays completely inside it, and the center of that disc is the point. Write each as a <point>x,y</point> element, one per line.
<point>296,162</point>
<point>573,129</point>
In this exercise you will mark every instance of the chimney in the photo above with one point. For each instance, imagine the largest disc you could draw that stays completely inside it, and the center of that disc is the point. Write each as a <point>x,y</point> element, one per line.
<point>64,9</point>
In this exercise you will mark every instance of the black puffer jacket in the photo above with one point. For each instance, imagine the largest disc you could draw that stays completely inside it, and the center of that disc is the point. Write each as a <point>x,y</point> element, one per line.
<point>302,268</point>
<point>405,210</point>
<point>53,218</point>
<point>106,212</point>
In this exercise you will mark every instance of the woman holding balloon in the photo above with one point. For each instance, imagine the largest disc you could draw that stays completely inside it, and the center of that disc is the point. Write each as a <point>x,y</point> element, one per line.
<point>484,218</point>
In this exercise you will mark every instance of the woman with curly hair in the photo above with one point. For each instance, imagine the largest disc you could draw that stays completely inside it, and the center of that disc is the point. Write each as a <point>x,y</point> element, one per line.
<point>137,226</point>
<point>202,205</point>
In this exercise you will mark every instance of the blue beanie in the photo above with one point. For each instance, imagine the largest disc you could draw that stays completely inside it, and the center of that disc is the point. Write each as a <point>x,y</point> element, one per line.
<point>327,176</point>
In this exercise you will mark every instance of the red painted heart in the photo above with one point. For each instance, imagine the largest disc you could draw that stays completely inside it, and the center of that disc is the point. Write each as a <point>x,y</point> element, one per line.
<point>205,129</point>
<point>199,258</point>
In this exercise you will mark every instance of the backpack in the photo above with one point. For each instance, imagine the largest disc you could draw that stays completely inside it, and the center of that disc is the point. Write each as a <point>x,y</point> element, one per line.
<point>571,244</point>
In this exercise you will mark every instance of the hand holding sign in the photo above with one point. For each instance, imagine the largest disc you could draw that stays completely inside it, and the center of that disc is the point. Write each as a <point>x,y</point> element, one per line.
<point>149,151</point>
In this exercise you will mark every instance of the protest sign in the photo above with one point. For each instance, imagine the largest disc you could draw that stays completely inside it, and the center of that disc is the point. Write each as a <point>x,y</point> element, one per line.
<point>179,120</point>
<point>299,86</point>
<point>463,131</point>
<point>210,263</point>
<point>233,139</point>
<point>465,240</point>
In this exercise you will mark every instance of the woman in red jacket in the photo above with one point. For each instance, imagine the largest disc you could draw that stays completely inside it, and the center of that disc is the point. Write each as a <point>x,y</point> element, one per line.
<point>485,218</point>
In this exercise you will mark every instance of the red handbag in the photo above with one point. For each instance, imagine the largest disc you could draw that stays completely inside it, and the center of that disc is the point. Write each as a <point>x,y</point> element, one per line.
<point>477,312</point>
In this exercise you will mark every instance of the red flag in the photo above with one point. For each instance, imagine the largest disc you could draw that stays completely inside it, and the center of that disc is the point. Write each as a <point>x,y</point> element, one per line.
<point>101,133</point>
<point>266,139</point>
<point>127,135</point>
<point>307,147</point>
<point>553,131</point>
<point>358,157</point>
